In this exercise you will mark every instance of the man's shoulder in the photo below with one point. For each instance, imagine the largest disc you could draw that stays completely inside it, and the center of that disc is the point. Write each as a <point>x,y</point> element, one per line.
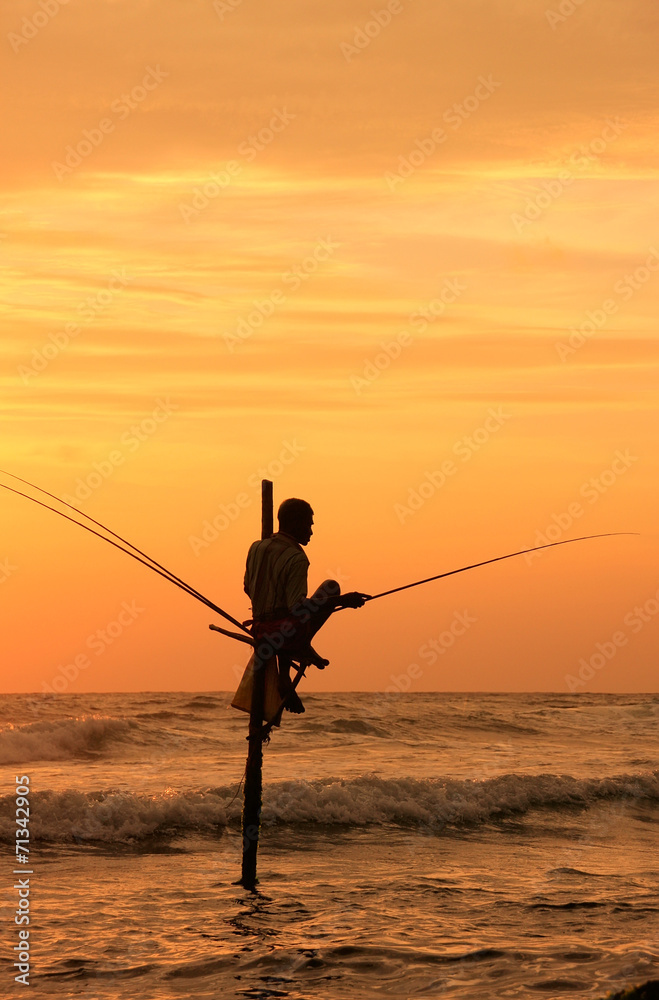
<point>251,552</point>
<point>278,543</point>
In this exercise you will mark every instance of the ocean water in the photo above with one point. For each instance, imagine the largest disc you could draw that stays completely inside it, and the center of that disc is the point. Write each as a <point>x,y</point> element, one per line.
<point>413,846</point>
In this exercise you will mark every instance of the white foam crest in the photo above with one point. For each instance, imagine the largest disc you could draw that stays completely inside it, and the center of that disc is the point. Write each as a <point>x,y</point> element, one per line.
<point>437,802</point>
<point>60,740</point>
<point>434,804</point>
<point>121,817</point>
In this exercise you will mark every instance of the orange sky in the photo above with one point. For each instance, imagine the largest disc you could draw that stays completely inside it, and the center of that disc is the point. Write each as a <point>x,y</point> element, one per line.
<point>236,216</point>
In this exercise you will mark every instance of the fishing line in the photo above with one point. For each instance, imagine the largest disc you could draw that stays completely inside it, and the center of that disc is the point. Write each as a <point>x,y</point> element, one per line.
<point>137,554</point>
<point>82,513</point>
<point>238,788</point>
<point>485,562</point>
<point>161,570</point>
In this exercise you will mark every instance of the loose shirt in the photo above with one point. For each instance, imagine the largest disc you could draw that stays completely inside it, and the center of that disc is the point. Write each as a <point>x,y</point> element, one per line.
<point>276,575</point>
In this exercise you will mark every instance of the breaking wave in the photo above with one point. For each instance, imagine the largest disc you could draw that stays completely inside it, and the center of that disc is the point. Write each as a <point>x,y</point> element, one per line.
<point>60,740</point>
<point>433,804</point>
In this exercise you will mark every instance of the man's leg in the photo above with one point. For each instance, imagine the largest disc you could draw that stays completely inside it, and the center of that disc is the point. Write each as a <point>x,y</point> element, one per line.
<point>321,604</point>
<point>294,703</point>
<point>312,613</point>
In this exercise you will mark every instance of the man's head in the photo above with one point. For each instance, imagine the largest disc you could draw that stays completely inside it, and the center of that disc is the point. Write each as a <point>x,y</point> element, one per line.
<point>295,518</point>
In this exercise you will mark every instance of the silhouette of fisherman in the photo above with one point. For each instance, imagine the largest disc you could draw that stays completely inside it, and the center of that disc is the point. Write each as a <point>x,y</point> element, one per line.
<point>276,583</point>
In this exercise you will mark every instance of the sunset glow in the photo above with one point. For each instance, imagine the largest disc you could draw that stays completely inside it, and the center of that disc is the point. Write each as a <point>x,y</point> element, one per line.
<point>406,266</point>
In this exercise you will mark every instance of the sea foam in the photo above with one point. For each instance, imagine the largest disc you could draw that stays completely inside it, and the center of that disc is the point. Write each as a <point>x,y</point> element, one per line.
<point>432,804</point>
<point>63,739</point>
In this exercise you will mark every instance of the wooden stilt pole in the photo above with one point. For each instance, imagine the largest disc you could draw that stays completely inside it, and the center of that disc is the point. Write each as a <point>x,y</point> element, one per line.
<point>253,772</point>
<point>267,509</point>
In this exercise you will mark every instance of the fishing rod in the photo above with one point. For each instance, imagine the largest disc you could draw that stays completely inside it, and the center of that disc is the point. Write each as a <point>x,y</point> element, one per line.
<point>100,525</point>
<point>157,567</point>
<point>463,569</point>
<point>137,554</point>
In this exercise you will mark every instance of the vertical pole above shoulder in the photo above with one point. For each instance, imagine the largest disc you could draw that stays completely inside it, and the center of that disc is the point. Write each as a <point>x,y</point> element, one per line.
<point>254,770</point>
<point>267,509</point>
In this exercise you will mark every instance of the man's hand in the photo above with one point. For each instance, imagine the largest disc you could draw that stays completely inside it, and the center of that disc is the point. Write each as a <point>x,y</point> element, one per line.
<point>352,600</point>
